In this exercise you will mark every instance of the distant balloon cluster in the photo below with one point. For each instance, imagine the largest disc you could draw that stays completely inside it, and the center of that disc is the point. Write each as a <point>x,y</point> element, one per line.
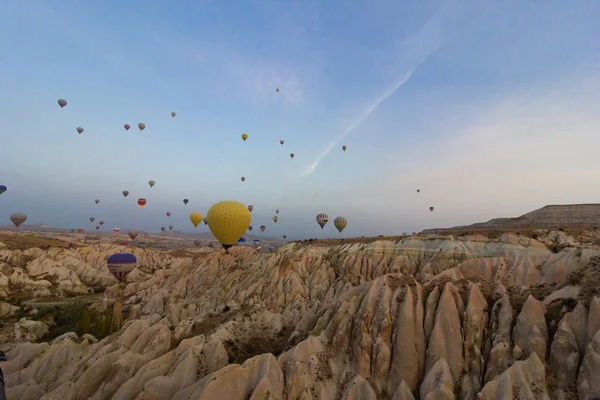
<point>227,220</point>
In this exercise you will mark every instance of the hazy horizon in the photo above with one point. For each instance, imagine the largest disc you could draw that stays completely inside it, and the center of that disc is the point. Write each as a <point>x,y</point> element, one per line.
<point>491,110</point>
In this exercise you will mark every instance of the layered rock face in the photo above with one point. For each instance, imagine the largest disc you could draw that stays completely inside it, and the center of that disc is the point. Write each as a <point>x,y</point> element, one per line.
<point>424,318</point>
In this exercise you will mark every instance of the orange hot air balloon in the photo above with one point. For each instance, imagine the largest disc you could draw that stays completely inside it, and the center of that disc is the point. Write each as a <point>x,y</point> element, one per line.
<point>142,202</point>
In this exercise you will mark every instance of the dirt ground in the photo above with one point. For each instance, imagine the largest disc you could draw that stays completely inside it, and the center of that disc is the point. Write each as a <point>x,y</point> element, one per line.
<point>28,242</point>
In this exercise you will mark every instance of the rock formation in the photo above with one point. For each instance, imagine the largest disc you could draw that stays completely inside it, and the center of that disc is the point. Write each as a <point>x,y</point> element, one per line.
<point>427,317</point>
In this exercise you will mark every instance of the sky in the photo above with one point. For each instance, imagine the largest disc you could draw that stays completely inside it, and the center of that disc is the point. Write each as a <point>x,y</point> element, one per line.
<point>489,108</point>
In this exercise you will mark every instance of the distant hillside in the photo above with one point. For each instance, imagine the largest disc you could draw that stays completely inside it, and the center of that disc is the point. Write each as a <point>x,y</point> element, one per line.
<point>554,216</point>
<point>166,234</point>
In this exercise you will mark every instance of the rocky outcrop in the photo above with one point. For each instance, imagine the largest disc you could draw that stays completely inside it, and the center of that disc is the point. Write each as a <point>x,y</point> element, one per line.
<point>426,318</point>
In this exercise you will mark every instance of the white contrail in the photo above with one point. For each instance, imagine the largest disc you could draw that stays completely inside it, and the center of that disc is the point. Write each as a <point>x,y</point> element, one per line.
<point>368,111</point>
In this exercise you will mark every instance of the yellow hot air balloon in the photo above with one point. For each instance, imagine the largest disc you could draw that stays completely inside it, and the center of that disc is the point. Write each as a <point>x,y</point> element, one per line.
<point>244,136</point>
<point>196,218</point>
<point>340,223</point>
<point>228,221</point>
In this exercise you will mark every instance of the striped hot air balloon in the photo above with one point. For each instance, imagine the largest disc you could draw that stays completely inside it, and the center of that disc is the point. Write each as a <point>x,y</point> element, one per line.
<point>322,220</point>
<point>121,264</point>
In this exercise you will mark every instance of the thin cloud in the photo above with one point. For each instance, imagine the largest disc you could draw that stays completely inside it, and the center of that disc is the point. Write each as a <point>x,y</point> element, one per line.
<point>421,45</point>
<point>365,114</point>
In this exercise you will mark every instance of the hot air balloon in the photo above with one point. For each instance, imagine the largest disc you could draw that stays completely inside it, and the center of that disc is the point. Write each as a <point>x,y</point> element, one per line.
<point>168,213</point>
<point>101,223</point>
<point>228,221</point>
<point>250,207</point>
<point>80,130</point>
<point>277,90</point>
<point>196,218</point>
<point>430,208</point>
<point>281,142</point>
<point>250,228</point>
<point>18,218</point>
<point>242,240</point>
<point>126,126</point>
<point>92,219</point>
<point>418,190</point>
<point>73,230</point>
<point>116,230</point>
<point>275,219</point>
<point>284,237</point>
<point>276,211</point>
<point>142,202</point>
<point>170,227</point>
<point>151,183</point>
<point>340,223</point>
<point>80,230</point>
<point>133,234</point>
<point>292,155</point>
<point>97,227</point>
<point>2,189</point>
<point>125,193</point>
<point>142,126</point>
<point>121,264</point>
<point>197,242</point>
<point>205,221</point>
<point>262,228</point>
<point>162,228</point>
<point>344,148</point>
<point>243,178</point>
<point>173,114</point>
<point>97,201</point>
<point>62,103</point>
<point>322,220</point>
<point>185,201</point>
<point>244,136</point>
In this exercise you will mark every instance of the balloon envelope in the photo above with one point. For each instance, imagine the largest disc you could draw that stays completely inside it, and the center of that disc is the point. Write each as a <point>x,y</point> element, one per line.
<point>162,228</point>
<point>125,193</point>
<point>250,207</point>
<point>228,220</point>
<point>121,264</point>
<point>97,201</point>
<point>173,114</point>
<point>18,218</point>
<point>142,202</point>
<point>133,234</point>
<point>340,223</point>
<point>151,183</point>
<point>127,126</point>
<point>2,189</point>
<point>322,220</point>
<point>62,103</point>
<point>196,218</point>
<point>168,213</point>
<point>170,227</point>
<point>142,126</point>
<point>80,130</point>
<point>185,201</point>
<point>262,228</point>
<point>244,136</point>
<point>281,142</point>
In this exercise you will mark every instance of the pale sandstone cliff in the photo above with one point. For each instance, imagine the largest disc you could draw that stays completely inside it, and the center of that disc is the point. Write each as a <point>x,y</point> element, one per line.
<point>427,317</point>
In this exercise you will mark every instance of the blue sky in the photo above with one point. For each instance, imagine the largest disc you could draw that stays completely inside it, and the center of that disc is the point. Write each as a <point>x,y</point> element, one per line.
<point>490,108</point>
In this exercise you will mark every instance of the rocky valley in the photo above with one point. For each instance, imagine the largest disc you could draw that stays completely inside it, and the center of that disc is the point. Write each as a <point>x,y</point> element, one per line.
<point>509,315</point>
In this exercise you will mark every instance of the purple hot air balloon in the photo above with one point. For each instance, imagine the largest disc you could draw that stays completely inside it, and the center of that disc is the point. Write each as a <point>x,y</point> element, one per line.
<point>121,264</point>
